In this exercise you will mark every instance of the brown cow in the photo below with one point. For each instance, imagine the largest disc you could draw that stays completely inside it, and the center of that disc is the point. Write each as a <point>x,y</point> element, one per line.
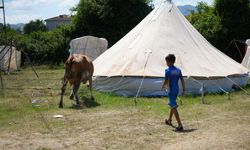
<point>79,68</point>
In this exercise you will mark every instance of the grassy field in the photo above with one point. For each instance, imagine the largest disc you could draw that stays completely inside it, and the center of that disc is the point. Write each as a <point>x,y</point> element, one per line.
<point>113,122</point>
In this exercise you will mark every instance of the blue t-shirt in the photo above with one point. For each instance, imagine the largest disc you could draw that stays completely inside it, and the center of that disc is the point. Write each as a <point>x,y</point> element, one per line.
<point>173,74</point>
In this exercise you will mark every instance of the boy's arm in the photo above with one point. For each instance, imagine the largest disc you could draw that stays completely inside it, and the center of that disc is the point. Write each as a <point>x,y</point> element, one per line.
<point>183,86</point>
<point>164,85</point>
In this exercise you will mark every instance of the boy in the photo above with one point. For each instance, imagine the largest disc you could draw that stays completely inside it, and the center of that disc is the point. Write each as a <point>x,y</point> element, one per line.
<point>172,76</point>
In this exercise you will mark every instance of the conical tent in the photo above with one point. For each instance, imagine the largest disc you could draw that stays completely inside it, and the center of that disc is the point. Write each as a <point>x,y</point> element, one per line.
<point>136,63</point>
<point>246,61</point>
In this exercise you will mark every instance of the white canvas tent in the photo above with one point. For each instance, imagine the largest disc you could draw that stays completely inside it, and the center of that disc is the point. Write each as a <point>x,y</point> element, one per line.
<point>136,63</point>
<point>246,60</point>
<point>89,45</point>
<point>10,58</point>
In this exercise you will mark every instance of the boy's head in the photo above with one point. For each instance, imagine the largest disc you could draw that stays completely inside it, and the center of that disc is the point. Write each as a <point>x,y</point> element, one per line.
<point>170,59</point>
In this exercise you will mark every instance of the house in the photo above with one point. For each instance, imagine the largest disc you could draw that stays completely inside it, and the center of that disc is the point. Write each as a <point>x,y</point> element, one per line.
<point>52,23</point>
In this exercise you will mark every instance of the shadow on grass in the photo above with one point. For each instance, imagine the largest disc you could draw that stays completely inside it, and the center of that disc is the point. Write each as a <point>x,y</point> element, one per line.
<point>86,102</point>
<point>89,103</point>
<point>185,130</point>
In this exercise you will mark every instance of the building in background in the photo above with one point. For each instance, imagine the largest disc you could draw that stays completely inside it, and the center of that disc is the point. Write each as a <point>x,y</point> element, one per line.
<point>54,22</point>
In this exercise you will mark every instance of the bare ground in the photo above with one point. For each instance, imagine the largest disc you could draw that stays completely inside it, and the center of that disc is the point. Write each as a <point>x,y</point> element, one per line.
<point>130,128</point>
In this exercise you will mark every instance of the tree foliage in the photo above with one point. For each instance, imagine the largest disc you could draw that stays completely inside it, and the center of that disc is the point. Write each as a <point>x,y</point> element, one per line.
<point>46,47</point>
<point>110,19</point>
<point>10,33</point>
<point>223,22</point>
<point>207,22</point>
<point>34,25</point>
<point>235,17</point>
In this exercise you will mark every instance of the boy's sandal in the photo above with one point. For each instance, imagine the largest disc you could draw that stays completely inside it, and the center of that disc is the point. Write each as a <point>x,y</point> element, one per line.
<point>168,122</point>
<point>179,128</point>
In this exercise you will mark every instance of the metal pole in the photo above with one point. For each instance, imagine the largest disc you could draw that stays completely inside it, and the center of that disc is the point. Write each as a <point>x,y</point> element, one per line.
<point>1,79</point>
<point>4,22</point>
<point>202,93</point>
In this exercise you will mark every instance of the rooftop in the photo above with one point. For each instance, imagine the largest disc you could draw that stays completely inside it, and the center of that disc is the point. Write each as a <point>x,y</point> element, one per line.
<point>60,18</point>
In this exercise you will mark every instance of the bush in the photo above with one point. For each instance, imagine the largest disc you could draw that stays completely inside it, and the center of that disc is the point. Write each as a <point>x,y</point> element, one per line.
<point>46,47</point>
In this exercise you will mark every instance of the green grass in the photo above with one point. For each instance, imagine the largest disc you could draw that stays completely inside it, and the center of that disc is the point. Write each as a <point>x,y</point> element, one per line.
<point>21,87</point>
<point>134,127</point>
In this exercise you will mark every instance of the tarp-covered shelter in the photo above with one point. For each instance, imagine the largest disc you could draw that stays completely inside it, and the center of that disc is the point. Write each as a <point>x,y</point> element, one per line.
<point>10,58</point>
<point>89,45</point>
<point>136,63</point>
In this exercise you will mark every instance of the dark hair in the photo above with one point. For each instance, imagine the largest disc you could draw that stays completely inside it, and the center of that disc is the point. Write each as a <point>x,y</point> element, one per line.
<point>170,58</point>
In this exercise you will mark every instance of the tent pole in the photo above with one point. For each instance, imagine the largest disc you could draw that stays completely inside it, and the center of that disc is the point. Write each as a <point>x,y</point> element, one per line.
<point>202,90</point>
<point>4,22</point>
<point>10,59</point>
<point>29,61</point>
<point>148,52</point>
<point>202,93</point>
<point>238,50</point>
<point>1,79</point>
<point>237,85</point>
<point>224,51</point>
<point>229,95</point>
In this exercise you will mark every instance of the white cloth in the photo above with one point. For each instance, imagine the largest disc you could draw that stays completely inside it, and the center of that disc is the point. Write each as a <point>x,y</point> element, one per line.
<point>14,62</point>
<point>89,45</point>
<point>246,60</point>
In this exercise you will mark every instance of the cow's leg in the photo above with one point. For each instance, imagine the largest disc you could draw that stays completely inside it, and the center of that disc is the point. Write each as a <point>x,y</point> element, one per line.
<point>65,81</point>
<point>75,92</point>
<point>71,95</point>
<point>90,88</point>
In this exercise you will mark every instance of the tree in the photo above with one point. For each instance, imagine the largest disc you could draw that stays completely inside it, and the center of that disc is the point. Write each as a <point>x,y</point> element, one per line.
<point>202,7</point>
<point>10,33</point>
<point>223,22</point>
<point>34,25</point>
<point>46,47</point>
<point>235,15</point>
<point>110,19</point>
<point>207,23</point>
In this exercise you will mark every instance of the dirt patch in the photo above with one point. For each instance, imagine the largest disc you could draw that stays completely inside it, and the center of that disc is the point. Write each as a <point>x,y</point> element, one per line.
<point>130,129</point>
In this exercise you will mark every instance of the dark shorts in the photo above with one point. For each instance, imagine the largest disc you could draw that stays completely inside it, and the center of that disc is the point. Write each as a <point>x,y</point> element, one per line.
<point>172,100</point>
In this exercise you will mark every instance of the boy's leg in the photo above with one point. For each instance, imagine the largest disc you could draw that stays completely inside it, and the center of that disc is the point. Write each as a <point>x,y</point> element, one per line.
<point>170,115</point>
<point>176,114</point>
<point>171,104</point>
<point>169,120</point>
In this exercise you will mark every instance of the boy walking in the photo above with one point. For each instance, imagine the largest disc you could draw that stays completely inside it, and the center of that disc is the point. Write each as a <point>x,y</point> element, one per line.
<point>172,76</point>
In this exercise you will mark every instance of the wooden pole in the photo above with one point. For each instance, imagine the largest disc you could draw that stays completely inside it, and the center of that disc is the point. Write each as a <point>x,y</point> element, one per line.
<point>10,59</point>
